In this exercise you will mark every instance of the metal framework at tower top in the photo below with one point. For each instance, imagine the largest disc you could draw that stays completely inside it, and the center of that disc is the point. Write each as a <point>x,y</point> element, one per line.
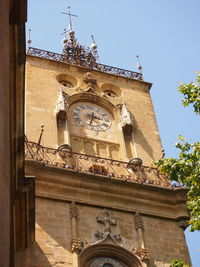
<point>85,63</point>
<point>76,54</point>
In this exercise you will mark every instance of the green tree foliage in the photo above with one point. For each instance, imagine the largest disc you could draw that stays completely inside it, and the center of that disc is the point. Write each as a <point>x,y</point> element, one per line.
<point>191,93</point>
<point>177,263</point>
<point>185,169</point>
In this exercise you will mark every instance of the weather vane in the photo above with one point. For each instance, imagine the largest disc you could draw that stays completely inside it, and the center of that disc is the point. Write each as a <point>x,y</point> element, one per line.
<point>70,19</point>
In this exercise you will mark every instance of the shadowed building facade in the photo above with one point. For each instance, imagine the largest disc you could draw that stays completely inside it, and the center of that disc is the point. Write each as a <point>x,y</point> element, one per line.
<point>91,138</point>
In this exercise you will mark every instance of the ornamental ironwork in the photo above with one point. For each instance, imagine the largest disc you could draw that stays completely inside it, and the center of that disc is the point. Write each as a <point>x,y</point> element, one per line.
<point>112,169</point>
<point>83,61</point>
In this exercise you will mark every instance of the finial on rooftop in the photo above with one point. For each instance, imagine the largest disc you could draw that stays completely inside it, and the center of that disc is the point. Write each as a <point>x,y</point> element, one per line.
<point>93,45</point>
<point>64,40</point>
<point>138,64</point>
<point>29,39</point>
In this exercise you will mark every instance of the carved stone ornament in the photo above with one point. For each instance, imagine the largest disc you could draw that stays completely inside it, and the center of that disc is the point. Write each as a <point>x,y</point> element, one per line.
<point>107,238</point>
<point>89,80</point>
<point>78,244</point>
<point>143,254</point>
<point>138,221</point>
<point>103,235</point>
<point>108,222</point>
<point>61,104</point>
<point>126,120</point>
<point>73,210</point>
<point>182,222</point>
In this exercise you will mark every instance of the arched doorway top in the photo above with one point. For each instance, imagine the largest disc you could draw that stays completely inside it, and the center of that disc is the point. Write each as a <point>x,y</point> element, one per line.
<point>111,251</point>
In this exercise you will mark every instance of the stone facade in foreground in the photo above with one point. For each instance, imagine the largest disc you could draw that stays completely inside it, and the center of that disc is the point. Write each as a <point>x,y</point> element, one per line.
<point>104,209</point>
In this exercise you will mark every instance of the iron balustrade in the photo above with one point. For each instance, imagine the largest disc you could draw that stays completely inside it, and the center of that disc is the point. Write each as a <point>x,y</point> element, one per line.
<point>112,169</point>
<point>85,63</point>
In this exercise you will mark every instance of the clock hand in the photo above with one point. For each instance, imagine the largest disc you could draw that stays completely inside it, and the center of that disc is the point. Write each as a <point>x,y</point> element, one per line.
<point>98,118</point>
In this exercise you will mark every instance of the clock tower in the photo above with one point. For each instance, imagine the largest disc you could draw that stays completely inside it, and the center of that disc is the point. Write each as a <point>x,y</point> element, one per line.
<point>91,139</point>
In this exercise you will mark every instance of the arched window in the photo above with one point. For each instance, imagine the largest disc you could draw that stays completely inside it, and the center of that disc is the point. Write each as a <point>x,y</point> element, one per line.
<point>107,255</point>
<point>110,93</point>
<point>107,265</point>
<point>105,262</point>
<point>66,83</point>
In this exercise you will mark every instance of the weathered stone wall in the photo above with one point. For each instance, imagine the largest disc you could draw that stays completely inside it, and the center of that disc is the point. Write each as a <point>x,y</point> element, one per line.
<point>53,231</point>
<point>42,90</point>
<point>165,241</point>
<point>61,226</point>
<point>163,238</point>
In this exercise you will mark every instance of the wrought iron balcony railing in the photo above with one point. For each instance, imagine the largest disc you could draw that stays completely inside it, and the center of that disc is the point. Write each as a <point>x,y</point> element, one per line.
<point>88,64</point>
<point>112,169</point>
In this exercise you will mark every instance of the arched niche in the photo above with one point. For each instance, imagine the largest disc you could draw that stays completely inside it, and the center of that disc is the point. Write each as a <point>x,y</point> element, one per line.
<point>66,80</point>
<point>111,90</point>
<point>110,251</point>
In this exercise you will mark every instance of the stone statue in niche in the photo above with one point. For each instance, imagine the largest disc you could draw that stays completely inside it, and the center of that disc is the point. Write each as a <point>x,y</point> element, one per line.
<point>126,120</point>
<point>61,104</point>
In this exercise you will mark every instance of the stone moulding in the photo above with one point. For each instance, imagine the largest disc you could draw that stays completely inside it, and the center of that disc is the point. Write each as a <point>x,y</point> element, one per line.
<point>108,250</point>
<point>127,196</point>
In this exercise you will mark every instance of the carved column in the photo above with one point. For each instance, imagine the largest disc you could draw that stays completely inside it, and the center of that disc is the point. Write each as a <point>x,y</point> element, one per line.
<point>141,250</point>
<point>75,241</point>
<point>139,228</point>
<point>74,217</point>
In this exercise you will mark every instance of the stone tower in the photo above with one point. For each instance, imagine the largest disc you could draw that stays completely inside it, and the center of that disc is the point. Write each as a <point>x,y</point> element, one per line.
<point>91,138</point>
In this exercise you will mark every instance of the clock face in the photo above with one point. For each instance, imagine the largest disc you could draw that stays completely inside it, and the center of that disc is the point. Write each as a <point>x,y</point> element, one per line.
<point>92,117</point>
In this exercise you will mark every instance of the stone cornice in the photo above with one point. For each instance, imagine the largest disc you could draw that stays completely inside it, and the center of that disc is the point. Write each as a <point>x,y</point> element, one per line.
<point>64,185</point>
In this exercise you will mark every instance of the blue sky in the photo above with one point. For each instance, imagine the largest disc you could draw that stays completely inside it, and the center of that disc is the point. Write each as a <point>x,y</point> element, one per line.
<point>164,33</point>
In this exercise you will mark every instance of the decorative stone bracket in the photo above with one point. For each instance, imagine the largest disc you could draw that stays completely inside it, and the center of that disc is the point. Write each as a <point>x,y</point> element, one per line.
<point>78,244</point>
<point>143,254</point>
<point>183,222</point>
